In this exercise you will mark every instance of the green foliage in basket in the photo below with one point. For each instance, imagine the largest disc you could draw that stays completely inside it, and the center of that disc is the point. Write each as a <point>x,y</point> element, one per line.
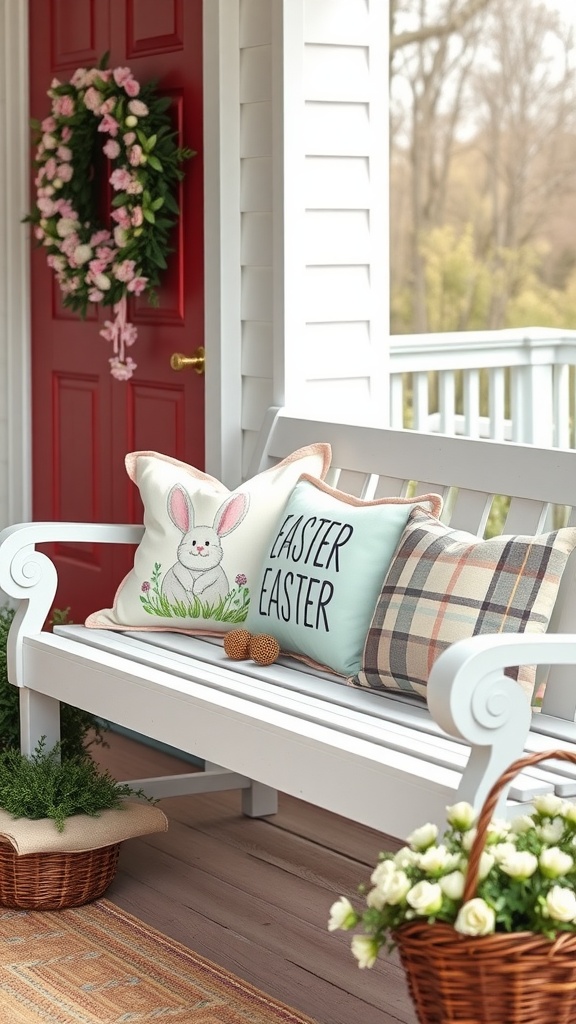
<point>46,786</point>
<point>526,879</point>
<point>78,729</point>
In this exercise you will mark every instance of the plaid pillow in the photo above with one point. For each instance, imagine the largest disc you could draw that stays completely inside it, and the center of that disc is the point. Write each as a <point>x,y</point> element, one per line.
<point>445,585</point>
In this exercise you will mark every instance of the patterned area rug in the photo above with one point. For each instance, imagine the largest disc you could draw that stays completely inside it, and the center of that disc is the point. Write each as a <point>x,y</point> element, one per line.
<point>97,964</point>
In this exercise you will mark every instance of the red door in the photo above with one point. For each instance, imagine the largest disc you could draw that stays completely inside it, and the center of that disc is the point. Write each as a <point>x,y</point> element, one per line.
<point>84,421</point>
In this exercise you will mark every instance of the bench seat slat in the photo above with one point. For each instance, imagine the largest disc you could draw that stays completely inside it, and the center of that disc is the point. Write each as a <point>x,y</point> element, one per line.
<point>433,747</point>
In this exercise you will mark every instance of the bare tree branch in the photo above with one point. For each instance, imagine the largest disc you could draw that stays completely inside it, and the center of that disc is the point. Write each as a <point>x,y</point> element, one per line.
<point>454,23</point>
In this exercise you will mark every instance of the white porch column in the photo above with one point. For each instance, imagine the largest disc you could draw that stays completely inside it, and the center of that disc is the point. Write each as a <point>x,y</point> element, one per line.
<point>15,443</point>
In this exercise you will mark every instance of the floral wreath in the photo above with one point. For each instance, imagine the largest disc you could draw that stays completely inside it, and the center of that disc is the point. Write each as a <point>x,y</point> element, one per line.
<point>94,263</point>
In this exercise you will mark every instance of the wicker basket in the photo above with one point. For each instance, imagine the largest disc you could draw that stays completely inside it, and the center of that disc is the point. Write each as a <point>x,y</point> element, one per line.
<point>52,881</point>
<point>517,978</point>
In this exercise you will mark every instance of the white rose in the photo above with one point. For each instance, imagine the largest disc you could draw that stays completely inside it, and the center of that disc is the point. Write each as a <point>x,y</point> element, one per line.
<point>502,850</point>
<point>452,885</point>
<point>82,253</point>
<point>390,890</point>
<point>520,864</point>
<point>561,903</point>
<point>425,898</point>
<point>66,226</point>
<point>436,859</point>
<point>522,823</point>
<point>475,918</point>
<point>342,915</point>
<point>406,858</point>
<point>102,282</point>
<point>423,837</point>
<point>569,811</point>
<point>554,862</point>
<point>468,839</point>
<point>365,950</point>
<point>497,830</point>
<point>548,804</point>
<point>120,236</point>
<point>382,870</point>
<point>461,815</point>
<point>551,831</point>
<point>485,866</point>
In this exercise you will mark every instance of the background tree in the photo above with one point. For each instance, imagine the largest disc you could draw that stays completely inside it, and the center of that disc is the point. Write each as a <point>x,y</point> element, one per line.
<point>483,163</point>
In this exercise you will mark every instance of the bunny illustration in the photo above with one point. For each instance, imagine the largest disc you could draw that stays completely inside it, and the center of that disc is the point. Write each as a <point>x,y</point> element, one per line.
<point>198,571</point>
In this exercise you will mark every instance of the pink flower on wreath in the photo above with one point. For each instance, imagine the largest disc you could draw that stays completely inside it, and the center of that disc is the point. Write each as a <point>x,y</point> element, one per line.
<point>131,87</point>
<point>107,106</point>
<point>65,208</point>
<point>64,172</point>
<point>66,133</point>
<point>125,271</point>
<point>63,106</point>
<point>129,138</point>
<point>135,156</point>
<point>108,124</point>
<point>50,168</point>
<point>121,216</point>
<point>134,187</point>
<point>121,76</point>
<point>137,217</point>
<point>46,206</point>
<point>78,78</point>
<point>137,285</point>
<point>92,99</point>
<point>97,267</point>
<point>120,179</point>
<point>105,252</point>
<point>48,124</point>
<point>111,149</point>
<point>100,236</point>
<point>95,295</point>
<point>64,153</point>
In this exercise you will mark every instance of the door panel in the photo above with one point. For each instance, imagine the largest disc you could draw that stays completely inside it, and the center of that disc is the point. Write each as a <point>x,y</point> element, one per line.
<point>84,421</point>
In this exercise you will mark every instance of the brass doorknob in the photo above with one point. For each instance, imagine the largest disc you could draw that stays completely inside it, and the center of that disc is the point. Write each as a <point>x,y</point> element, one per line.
<point>178,361</point>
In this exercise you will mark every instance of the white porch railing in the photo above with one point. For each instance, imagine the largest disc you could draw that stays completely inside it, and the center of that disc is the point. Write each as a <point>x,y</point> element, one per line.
<point>517,384</point>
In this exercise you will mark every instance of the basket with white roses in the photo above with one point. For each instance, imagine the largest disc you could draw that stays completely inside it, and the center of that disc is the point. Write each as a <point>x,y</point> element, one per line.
<point>484,917</point>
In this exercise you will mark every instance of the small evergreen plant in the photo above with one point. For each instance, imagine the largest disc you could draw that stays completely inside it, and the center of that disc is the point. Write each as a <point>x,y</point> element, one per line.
<point>75,725</point>
<point>45,786</point>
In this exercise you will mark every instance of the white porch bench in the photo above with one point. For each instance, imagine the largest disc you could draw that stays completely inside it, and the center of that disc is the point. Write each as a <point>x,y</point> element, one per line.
<point>390,762</point>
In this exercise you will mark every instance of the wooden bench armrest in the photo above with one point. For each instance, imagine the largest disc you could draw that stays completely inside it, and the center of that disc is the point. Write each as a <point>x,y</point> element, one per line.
<point>470,697</point>
<point>30,576</point>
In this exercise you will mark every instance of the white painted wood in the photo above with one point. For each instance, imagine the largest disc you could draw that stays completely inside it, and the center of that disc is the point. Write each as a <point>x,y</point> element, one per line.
<point>15,412</point>
<point>289,728</point>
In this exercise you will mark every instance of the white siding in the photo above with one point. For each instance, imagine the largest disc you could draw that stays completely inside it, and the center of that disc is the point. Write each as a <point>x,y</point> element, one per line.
<point>256,211</point>
<point>345,224</point>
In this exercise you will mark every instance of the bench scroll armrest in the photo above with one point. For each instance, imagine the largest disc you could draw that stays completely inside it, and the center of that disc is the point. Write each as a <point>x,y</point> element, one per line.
<point>30,576</point>
<point>470,697</point>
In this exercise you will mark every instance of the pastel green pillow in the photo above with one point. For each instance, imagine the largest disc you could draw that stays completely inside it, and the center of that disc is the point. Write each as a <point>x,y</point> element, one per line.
<point>323,571</point>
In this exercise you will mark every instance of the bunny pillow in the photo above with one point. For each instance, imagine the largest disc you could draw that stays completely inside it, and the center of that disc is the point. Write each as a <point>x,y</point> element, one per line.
<point>203,545</point>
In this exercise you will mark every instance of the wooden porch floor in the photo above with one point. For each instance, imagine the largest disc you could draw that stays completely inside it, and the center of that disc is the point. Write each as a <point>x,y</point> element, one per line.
<point>253,895</point>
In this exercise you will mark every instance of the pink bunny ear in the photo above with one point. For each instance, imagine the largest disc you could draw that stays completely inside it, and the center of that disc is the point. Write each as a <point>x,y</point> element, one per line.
<point>179,509</point>
<point>230,514</point>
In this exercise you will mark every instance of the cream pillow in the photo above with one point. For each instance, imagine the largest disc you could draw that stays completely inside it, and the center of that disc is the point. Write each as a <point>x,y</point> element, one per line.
<point>203,544</point>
